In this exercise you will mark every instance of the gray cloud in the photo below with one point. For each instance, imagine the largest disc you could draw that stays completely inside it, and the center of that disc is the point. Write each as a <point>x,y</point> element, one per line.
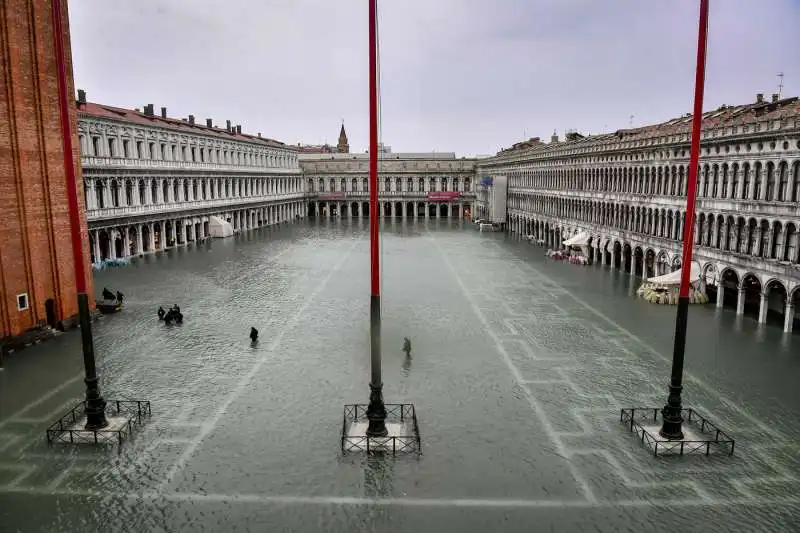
<point>457,75</point>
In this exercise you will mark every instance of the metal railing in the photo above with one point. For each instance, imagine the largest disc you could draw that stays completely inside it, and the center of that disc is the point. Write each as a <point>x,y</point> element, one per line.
<point>133,411</point>
<point>404,414</point>
<point>713,437</point>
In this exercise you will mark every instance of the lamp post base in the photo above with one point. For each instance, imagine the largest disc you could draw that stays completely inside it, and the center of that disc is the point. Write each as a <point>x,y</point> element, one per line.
<point>376,412</point>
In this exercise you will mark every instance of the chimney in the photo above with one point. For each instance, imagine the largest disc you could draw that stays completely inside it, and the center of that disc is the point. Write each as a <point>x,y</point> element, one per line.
<point>760,98</point>
<point>209,123</point>
<point>259,134</point>
<point>81,97</point>
<point>238,129</point>
<point>775,97</point>
<point>163,112</point>
<point>148,110</point>
<point>137,110</point>
<point>228,125</point>
<point>554,138</point>
<point>191,120</point>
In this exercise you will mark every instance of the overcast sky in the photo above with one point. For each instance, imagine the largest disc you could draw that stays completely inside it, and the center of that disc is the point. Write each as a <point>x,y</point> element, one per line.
<point>469,76</point>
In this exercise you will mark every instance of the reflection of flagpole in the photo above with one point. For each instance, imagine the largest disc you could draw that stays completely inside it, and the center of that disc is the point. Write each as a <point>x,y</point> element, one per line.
<point>376,412</point>
<point>671,413</point>
<point>95,405</point>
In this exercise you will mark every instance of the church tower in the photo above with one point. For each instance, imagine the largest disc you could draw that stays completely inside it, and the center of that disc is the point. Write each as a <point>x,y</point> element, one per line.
<point>342,147</point>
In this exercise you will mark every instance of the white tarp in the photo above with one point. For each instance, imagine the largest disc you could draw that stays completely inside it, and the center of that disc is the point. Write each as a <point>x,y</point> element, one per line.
<point>581,239</point>
<point>674,278</point>
<point>219,228</point>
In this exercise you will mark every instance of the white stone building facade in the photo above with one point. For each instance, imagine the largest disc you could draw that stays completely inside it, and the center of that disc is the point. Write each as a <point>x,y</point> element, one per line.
<point>628,191</point>
<point>153,182</point>
<point>411,185</point>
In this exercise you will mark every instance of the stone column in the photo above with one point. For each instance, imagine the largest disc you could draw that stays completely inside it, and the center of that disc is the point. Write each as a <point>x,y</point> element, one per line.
<point>740,301</point>
<point>151,244</point>
<point>139,240</point>
<point>112,246</point>
<point>126,243</point>
<point>762,309</point>
<point>788,320</point>
<point>98,254</point>
<point>720,293</point>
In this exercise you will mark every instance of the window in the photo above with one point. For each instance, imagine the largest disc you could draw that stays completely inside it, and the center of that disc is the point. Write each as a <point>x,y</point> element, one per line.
<point>96,146</point>
<point>22,301</point>
<point>126,148</point>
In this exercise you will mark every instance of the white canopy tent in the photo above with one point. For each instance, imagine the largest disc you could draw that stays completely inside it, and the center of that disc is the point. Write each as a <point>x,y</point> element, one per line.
<point>581,239</point>
<point>219,228</point>
<point>674,278</point>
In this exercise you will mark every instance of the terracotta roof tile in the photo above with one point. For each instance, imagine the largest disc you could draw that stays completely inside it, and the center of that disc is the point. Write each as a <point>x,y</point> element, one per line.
<point>178,125</point>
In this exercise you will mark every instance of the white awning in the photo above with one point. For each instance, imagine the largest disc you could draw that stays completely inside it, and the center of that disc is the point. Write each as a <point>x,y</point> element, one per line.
<point>581,239</point>
<point>674,278</point>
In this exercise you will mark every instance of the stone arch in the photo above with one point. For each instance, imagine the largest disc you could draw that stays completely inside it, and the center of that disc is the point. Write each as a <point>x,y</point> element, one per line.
<point>752,293</point>
<point>729,283</point>
<point>661,263</point>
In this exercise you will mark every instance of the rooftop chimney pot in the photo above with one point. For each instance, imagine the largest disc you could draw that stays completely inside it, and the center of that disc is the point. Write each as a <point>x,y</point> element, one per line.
<point>209,123</point>
<point>163,112</point>
<point>191,120</point>
<point>148,110</point>
<point>238,129</point>
<point>81,96</point>
<point>228,125</point>
<point>759,98</point>
<point>775,97</point>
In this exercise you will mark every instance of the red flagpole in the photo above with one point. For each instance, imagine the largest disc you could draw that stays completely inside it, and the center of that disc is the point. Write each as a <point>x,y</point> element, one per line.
<point>69,162</point>
<point>672,412</point>
<point>374,227</point>
<point>376,411</point>
<point>694,155</point>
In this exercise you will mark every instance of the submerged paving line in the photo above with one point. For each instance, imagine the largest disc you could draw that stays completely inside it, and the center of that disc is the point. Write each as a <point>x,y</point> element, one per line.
<point>688,376</point>
<point>211,423</point>
<point>532,400</point>
<point>474,503</point>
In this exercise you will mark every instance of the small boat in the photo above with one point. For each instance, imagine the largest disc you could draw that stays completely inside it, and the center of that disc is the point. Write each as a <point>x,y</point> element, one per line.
<point>108,307</point>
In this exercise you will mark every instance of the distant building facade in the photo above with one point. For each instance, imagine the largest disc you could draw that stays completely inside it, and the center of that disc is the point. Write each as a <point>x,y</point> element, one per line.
<point>411,185</point>
<point>37,274</point>
<point>153,182</point>
<point>627,190</point>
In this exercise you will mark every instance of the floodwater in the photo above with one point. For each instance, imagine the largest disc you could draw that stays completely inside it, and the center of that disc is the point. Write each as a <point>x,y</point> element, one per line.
<point>520,367</point>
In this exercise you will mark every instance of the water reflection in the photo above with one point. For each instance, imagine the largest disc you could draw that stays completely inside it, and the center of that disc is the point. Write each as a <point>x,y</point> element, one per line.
<point>520,410</point>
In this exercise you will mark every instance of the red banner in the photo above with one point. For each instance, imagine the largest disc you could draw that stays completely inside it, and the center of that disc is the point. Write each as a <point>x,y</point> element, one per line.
<point>444,196</point>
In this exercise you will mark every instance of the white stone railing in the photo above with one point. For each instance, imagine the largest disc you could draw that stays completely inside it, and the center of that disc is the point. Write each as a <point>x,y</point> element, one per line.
<point>745,207</point>
<point>177,207</point>
<point>158,164</point>
<point>385,194</point>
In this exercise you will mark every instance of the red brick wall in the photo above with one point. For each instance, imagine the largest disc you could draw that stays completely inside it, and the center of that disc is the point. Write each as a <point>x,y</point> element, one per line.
<point>35,237</point>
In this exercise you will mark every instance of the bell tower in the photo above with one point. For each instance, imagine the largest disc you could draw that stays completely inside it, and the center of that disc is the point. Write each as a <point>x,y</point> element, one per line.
<point>342,146</point>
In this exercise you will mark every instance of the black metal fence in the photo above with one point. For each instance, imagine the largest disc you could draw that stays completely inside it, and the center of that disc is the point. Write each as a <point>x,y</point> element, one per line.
<point>402,413</point>
<point>712,438</point>
<point>133,413</point>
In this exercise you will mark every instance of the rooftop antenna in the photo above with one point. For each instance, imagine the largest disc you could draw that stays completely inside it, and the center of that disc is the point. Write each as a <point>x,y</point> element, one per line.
<point>780,84</point>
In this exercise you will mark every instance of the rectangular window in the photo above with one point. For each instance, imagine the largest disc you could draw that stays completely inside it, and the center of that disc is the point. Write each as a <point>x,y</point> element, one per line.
<point>163,152</point>
<point>111,151</point>
<point>96,146</point>
<point>126,148</point>
<point>152,148</point>
<point>139,148</point>
<point>22,301</point>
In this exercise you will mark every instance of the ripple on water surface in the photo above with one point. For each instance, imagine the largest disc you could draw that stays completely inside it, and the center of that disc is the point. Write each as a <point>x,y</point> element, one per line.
<point>516,383</point>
